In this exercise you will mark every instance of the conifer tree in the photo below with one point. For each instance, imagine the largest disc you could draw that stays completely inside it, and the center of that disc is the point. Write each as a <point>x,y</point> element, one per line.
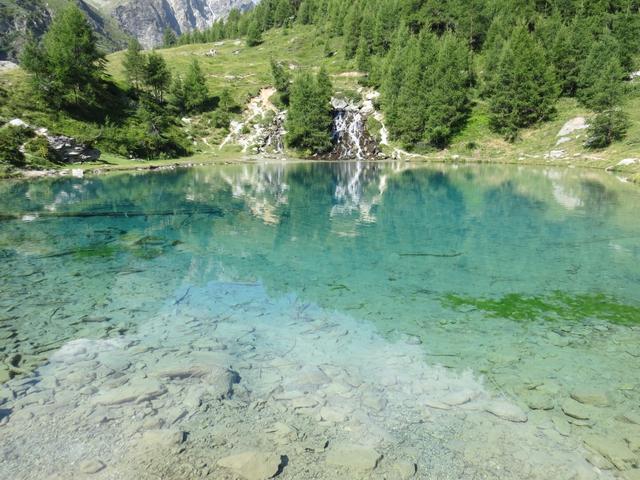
<point>134,63</point>
<point>524,89</point>
<point>169,38</point>
<point>254,35</point>
<point>600,80</point>
<point>157,76</point>
<point>68,58</point>
<point>309,117</point>
<point>281,80</point>
<point>195,87</point>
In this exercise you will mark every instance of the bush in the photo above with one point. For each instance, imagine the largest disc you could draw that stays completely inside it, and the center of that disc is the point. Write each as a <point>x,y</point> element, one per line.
<point>605,128</point>
<point>39,147</point>
<point>11,141</point>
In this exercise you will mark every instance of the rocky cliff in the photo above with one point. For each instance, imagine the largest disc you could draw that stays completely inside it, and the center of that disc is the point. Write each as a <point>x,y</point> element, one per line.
<point>21,18</point>
<point>147,19</point>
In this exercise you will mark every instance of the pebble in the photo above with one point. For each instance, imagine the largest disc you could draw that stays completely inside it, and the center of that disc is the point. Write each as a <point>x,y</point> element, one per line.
<point>353,457</point>
<point>253,465</point>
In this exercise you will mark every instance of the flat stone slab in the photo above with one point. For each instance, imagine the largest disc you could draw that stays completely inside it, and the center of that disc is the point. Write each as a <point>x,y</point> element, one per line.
<point>613,449</point>
<point>137,391</point>
<point>575,409</point>
<point>589,397</point>
<point>507,411</point>
<point>253,465</point>
<point>353,457</point>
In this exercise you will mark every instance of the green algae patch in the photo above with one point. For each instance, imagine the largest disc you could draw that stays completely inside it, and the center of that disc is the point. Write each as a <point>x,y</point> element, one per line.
<point>554,306</point>
<point>95,251</point>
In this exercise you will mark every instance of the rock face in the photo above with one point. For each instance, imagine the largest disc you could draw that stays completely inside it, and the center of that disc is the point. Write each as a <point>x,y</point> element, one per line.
<point>19,19</point>
<point>147,19</point>
<point>71,151</point>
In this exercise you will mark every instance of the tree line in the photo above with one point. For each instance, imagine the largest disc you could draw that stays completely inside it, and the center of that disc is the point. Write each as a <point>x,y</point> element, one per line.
<point>143,121</point>
<point>432,60</point>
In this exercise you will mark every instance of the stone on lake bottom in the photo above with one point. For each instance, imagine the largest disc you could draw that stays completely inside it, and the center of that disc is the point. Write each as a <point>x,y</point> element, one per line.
<point>404,470</point>
<point>575,409</point>
<point>162,438</point>
<point>597,399</point>
<point>91,466</point>
<point>506,411</point>
<point>253,465</point>
<point>353,457</point>
<point>613,449</point>
<point>138,391</point>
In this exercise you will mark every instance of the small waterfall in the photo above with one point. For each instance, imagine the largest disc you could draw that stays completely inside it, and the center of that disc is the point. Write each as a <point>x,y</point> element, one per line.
<point>350,137</point>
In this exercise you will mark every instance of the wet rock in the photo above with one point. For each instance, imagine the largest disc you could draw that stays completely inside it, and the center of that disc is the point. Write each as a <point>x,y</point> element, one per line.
<point>561,426</point>
<point>282,433</point>
<point>632,475</point>
<point>575,409</point>
<point>630,417</point>
<point>613,449</point>
<point>253,465</point>
<point>136,391</point>
<point>353,457</point>
<point>333,414</point>
<point>410,339</point>
<point>404,470</point>
<point>162,438</point>
<point>588,397</point>
<point>91,466</point>
<point>5,374</point>
<point>304,402</point>
<point>506,411</point>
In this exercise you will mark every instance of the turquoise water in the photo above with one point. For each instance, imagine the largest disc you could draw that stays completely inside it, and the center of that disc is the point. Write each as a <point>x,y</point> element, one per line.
<point>527,279</point>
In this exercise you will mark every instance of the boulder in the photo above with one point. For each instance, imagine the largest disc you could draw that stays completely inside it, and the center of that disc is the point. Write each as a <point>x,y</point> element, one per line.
<point>69,150</point>
<point>253,465</point>
<point>17,122</point>
<point>91,466</point>
<point>573,125</point>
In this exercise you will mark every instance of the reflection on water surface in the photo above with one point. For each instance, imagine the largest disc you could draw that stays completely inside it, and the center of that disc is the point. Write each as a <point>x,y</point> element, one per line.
<point>332,319</point>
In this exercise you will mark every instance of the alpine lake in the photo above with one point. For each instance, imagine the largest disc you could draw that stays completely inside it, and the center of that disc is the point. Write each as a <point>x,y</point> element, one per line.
<point>345,320</point>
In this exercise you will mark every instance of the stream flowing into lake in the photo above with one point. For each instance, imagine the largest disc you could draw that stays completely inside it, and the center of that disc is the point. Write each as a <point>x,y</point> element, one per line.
<point>321,320</point>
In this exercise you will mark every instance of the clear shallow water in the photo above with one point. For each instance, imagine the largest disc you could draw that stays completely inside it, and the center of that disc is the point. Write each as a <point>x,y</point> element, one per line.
<point>409,301</point>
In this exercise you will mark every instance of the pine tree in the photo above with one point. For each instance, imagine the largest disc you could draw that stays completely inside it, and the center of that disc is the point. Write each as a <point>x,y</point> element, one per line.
<point>254,35</point>
<point>309,117</point>
<point>178,97</point>
<point>195,88</point>
<point>68,59</point>
<point>447,91</point>
<point>281,80</point>
<point>169,38</point>
<point>524,89</point>
<point>134,63</point>
<point>600,81</point>
<point>157,76</point>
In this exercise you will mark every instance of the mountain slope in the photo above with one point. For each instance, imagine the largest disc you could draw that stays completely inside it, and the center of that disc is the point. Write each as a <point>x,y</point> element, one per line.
<point>21,18</point>
<point>147,19</point>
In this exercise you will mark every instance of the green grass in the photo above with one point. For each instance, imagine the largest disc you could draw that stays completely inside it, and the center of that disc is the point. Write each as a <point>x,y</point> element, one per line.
<point>247,71</point>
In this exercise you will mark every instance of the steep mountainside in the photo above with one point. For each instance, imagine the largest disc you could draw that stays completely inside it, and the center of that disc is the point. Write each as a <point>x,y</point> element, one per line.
<point>146,19</point>
<point>21,18</point>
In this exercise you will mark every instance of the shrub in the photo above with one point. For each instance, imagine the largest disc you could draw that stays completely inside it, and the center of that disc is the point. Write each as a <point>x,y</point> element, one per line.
<point>11,141</point>
<point>605,128</point>
<point>39,146</point>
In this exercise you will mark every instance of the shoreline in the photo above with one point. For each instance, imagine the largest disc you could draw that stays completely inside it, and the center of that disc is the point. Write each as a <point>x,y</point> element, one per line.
<point>627,173</point>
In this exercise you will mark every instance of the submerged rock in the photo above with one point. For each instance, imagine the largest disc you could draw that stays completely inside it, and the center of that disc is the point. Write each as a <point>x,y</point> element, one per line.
<point>613,449</point>
<point>353,457</point>
<point>590,397</point>
<point>253,465</point>
<point>136,391</point>
<point>162,438</point>
<point>92,466</point>
<point>575,409</point>
<point>506,411</point>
